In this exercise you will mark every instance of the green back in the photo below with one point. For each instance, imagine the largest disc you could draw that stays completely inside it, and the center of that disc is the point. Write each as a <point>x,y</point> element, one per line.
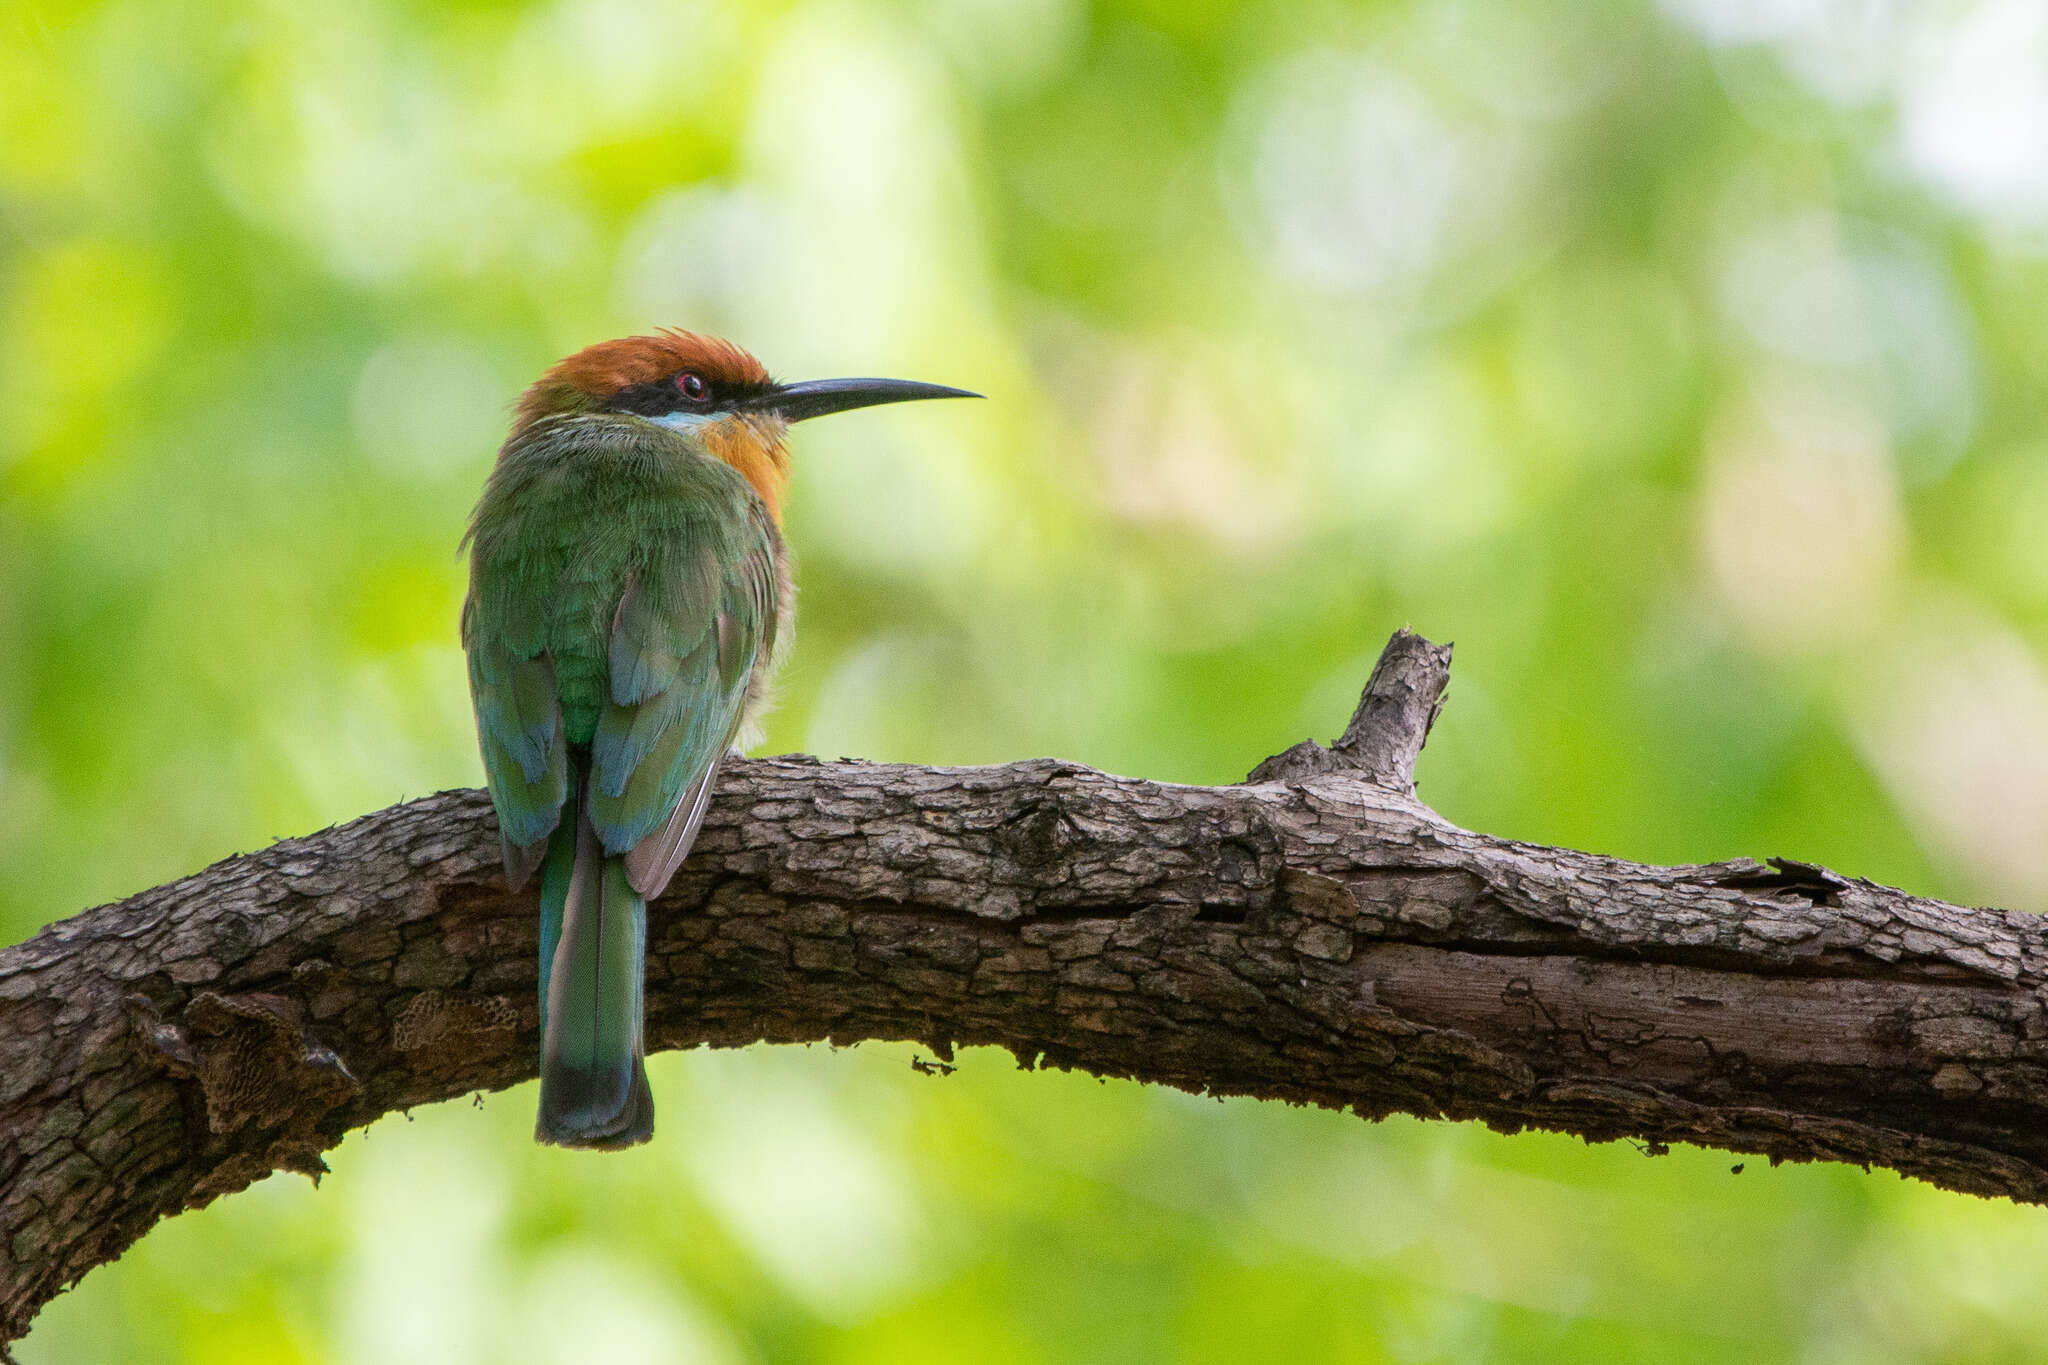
<point>622,590</point>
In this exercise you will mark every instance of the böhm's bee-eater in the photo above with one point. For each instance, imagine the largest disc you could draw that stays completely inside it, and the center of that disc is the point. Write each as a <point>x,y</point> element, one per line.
<point>629,595</point>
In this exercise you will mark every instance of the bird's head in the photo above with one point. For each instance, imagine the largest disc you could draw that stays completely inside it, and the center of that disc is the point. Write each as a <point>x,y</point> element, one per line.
<point>710,390</point>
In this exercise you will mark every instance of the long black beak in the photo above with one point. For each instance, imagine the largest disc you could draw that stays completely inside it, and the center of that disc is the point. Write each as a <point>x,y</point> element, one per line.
<point>821,397</point>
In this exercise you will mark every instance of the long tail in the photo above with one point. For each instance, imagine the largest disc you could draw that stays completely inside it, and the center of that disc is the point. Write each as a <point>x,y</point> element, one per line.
<point>593,945</point>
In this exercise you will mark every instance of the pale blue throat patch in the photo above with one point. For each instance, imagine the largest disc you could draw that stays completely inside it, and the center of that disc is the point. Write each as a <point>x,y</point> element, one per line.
<point>689,423</point>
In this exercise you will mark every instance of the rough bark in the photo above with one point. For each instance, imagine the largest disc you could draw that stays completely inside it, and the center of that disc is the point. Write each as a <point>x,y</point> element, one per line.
<point>1315,935</point>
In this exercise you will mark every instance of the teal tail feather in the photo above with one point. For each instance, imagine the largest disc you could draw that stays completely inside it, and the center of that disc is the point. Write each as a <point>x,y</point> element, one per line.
<point>593,945</point>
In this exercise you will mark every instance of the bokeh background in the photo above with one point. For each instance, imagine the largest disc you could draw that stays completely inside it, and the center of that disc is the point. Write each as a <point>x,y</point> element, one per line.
<point>1681,361</point>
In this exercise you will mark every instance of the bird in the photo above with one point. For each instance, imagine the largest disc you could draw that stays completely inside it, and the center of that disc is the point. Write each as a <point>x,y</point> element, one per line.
<point>630,597</point>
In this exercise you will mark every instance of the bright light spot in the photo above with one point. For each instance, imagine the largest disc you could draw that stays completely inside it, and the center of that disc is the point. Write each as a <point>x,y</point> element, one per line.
<point>1970,81</point>
<point>1875,306</point>
<point>697,258</point>
<point>893,492</point>
<point>1973,112</point>
<point>389,167</point>
<point>1745,21</point>
<point>1531,61</point>
<point>823,1208</point>
<point>426,1204</point>
<point>1877,1308</point>
<point>1353,173</point>
<point>1467,1227</point>
<point>879,699</point>
<point>1350,1204</point>
<point>1924,363</point>
<point>1957,728</point>
<point>397,724</point>
<point>1799,519</point>
<point>425,405</point>
<point>1420,459</point>
<point>853,128</point>
<point>1168,453</point>
<point>1846,50</point>
<point>584,1304</point>
<point>1786,283</point>
<point>589,65</point>
<point>1006,45</point>
<point>1849,50</point>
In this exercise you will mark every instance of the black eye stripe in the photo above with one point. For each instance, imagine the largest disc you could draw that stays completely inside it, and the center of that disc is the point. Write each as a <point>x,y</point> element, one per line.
<point>648,400</point>
<point>662,396</point>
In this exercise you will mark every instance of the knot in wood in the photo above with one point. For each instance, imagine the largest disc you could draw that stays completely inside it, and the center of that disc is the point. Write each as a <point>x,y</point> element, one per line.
<point>1040,835</point>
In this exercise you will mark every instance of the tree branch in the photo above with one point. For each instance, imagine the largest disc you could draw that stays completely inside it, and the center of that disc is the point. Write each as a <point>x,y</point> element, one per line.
<point>1317,935</point>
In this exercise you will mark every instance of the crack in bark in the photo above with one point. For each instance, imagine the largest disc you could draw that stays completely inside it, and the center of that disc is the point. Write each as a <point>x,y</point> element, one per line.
<point>1316,935</point>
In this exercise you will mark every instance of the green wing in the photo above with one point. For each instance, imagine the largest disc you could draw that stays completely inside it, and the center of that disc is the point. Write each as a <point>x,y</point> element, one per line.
<point>519,729</point>
<point>690,627</point>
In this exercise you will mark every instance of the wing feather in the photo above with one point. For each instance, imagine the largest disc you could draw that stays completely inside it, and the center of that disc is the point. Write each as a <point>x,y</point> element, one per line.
<point>686,639</point>
<point>519,731</point>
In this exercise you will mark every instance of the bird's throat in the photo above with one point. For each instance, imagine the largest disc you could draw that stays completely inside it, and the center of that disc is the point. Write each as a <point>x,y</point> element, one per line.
<point>753,445</point>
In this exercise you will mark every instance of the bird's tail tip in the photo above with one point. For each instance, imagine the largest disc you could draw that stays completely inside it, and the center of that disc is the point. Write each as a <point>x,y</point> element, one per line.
<point>582,1107</point>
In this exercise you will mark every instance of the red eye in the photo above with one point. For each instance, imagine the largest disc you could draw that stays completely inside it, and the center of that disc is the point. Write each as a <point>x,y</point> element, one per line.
<point>692,386</point>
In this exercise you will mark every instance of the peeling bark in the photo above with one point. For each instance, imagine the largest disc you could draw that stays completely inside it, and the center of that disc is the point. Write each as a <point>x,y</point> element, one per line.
<point>1316,935</point>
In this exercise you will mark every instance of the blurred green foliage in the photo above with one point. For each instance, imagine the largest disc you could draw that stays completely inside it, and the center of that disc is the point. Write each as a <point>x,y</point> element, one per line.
<point>1679,361</point>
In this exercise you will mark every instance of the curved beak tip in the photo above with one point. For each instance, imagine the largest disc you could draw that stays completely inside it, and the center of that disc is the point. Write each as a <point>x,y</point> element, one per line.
<point>822,397</point>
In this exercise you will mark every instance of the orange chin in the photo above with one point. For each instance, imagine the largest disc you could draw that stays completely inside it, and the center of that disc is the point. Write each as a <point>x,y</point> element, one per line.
<point>752,444</point>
